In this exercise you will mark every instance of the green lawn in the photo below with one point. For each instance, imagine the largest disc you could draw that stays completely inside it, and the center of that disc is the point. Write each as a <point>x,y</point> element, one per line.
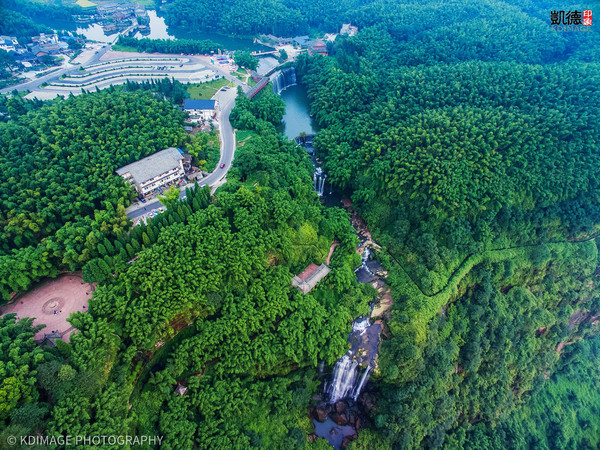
<point>123,48</point>
<point>241,74</point>
<point>242,136</point>
<point>208,89</point>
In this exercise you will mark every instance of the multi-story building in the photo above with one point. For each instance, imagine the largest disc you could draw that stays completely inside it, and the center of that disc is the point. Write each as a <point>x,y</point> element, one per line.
<point>154,171</point>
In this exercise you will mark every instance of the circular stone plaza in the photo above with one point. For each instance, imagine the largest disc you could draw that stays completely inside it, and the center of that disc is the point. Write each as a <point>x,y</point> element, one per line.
<point>51,303</point>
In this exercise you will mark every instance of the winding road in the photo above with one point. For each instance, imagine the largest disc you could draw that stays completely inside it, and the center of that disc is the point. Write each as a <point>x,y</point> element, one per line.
<point>102,53</point>
<point>226,101</point>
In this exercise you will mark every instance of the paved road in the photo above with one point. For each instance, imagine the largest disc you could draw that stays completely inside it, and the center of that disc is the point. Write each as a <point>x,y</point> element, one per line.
<point>90,57</point>
<point>66,67</point>
<point>226,103</point>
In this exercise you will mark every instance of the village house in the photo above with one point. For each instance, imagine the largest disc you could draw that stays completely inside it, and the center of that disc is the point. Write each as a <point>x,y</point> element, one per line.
<point>154,171</point>
<point>308,279</point>
<point>199,110</point>
<point>317,46</point>
<point>8,43</point>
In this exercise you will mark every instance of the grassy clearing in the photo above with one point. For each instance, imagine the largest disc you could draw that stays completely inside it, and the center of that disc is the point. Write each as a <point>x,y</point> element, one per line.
<point>243,136</point>
<point>123,48</point>
<point>208,89</point>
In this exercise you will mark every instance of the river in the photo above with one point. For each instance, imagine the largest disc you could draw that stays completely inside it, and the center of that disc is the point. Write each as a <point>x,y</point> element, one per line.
<point>158,30</point>
<point>337,416</point>
<point>297,118</point>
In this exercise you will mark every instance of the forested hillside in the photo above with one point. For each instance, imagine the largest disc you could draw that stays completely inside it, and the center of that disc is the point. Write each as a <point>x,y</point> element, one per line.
<point>468,138</point>
<point>206,306</point>
<point>59,195</point>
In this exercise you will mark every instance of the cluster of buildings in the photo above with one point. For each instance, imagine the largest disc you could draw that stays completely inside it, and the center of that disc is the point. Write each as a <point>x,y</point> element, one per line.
<point>115,17</point>
<point>43,45</point>
<point>9,43</point>
<point>313,46</point>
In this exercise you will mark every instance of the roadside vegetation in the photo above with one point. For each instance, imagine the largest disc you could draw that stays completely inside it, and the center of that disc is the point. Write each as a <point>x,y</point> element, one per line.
<point>207,89</point>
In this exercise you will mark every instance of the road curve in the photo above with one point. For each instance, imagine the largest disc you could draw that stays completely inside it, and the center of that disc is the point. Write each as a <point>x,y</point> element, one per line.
<point>226,101</point>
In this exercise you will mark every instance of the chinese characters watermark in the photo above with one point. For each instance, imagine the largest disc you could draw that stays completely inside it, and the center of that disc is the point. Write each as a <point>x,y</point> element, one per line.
<point>571,20</point>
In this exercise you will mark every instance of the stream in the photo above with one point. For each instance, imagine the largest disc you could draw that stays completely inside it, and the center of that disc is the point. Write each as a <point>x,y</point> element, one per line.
<point>337,416</point>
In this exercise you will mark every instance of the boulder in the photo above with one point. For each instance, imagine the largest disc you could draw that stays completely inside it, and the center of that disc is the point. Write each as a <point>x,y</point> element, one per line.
<point>340,419</point>
<point>312,437</point>
<point>367,402</point>
<point>320,414</point>
<point>348,439</point>
<point>352,417</point>
<point>357,424</point>
<point>340,407</point>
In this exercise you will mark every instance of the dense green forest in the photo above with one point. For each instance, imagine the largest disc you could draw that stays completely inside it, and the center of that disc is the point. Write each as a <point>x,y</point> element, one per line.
<point>466,134</point>
<point>467,137</point>
<point>18,17</point>
<point>169,46</point>
<point>59,195</point>
<point>208,302</point>
<point>278,17</point>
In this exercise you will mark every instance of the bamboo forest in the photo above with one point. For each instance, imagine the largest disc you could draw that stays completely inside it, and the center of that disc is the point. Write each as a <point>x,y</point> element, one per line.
<point>316,224</point>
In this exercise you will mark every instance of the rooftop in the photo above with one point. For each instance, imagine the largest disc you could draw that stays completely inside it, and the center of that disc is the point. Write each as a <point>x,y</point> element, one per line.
<point>301,40</point>
<point>198,104</point>
<point>308,279</point>
<point>153,165</point>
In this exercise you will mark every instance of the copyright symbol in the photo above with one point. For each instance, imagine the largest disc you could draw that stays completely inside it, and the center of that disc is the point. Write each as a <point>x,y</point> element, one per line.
<point>11,440</point>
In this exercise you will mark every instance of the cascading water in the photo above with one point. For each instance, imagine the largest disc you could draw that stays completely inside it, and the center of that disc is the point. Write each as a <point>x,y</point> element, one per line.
<point>344,375</point>
<point>345,382</point>
<point>282,79</point>
<point>319,180</point>
<point>365,260</point>
<point>362,383</point>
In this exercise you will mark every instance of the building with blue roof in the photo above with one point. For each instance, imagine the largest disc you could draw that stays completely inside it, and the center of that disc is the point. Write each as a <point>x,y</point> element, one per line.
<point>199,110</point>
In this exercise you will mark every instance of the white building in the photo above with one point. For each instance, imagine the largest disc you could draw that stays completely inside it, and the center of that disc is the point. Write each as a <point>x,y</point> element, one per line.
<point>199,110</point>
<point>154,171</point>
<point>8,43</point>
<point>348,29</point>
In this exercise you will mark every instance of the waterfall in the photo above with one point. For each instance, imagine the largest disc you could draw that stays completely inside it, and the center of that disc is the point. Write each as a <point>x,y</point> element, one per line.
<point>365,259</point>
<point>344,375</point>
<point>345,381</point>
<point>319,180</point>
<point>361,325</point>
<point>363,380</point>
<point>282,79</point>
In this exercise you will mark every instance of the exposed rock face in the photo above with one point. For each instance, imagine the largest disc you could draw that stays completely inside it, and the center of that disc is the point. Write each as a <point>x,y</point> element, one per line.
<point>320,414</point>
<point>340,419</point>
<point>349,439</point>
